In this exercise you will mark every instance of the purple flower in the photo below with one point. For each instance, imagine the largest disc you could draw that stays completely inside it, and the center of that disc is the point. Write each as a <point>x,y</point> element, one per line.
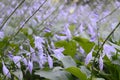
<point>81,28</point>
<point>101,63</point>
<point>30,66</point>
<point>67,31</point>
<point>1,34</point>
<point>24,60</point>
<point>60,37</point>
<point>16,60</point>
<point>108,49</point>
<point>42,59</point>
<point>81,50</point>
<point>50,62</point>
<point>89,57</point>
<point>6,71</point>
<point>38,42</point>
<point>58,53</point>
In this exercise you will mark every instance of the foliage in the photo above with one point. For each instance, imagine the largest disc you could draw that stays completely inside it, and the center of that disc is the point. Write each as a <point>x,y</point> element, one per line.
<point>59,40</point>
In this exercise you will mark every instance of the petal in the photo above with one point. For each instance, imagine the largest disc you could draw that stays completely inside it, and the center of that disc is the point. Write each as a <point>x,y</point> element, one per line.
<point>50,62</point>
<point>6,71</point>
<point>88,58</point>
<point>16,60</point>
<point>101,63</point>
<point>30,66</point>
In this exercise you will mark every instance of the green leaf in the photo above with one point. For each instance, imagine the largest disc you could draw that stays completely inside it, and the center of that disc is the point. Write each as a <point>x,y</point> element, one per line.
<point>54,75</point>
<point>77,72</point>
<point>18,74</point>
<point>84,43</point>
<point>72,27</point>
<point>68,61</point>
<point>70,47</point>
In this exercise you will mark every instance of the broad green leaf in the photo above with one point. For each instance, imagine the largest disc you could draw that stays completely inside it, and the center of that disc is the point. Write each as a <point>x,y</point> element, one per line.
<point>85,70</point>
<point>70,47</point>
<point>68,62</point>
<point>77,72</point>
<point>18,74</point>
<point>98,79</point>
<point>54,75</point>
<point>85,43</point>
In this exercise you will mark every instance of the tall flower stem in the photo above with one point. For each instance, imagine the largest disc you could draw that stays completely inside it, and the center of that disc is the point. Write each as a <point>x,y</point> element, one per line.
<point>11,14</point>
<point>21,27</point>
<point>100,48</point>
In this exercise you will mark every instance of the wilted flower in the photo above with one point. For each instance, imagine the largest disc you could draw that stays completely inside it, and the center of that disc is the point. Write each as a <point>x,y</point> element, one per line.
<point>108,49</point>
<point>6,71</point>
<point>58,53</point>
<point>50,62</point>
<point>101,63</point>
<point>30,66</point>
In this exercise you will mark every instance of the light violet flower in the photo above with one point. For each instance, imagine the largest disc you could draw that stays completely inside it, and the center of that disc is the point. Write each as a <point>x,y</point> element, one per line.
<point>60,37</point>
<point>81,50</point>
<point>42,59</point>
<point>24,60</point>
<point>108,50</point>
<point>16,60</point>
<point>1,34</point>
<point>58,53</point>
<point>33,55</point>
<point>6,71</point>
<point>50,62</point>
<point>38,42</point>
<point>67,31</point>
<point>101,63</point>
<point>30,66</point>
<point>89,57</point>
<point>81,28</point>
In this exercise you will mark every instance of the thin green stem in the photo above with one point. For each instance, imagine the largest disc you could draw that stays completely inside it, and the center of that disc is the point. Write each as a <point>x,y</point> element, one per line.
<point>11,14</point>
<point>13,36</point>
<point>97,54</point>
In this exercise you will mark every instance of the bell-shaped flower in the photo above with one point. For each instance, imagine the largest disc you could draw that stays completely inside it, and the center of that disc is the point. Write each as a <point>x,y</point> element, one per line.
<point>6,71</point>
<point>101,63</point>
<point>50,62</point>
<point>67,31</point>
<point>89,57</point>
<point>108,50</point>
<point>58,53</point>
<point>24,60</point>
<point>42,59</point>
<point>38,42</point>
<point>16,60</point>
<point>33,55</point>
<point>81,50</point>
<point>30,66</point>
